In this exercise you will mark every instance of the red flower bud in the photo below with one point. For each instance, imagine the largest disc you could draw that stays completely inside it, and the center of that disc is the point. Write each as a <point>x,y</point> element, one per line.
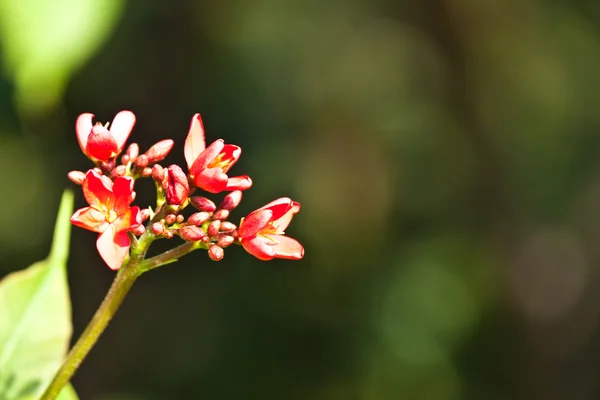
<point>180,218</point>
<point>177,187</point>
<point>227,226</point>
<point>225,241</point>
<point>125,159</point>
<point>213,228</point>
<point>133,151</point>
<point>120,170</point>
<point>198,218</point>
<point>145,214</point>
<point>158,173</point>
<point>221,214</point>
<point>141,161</point>
<point>216,253</point>
<point>76,177</point>
<point>168,234</point>
<point>191,233</point>
<point>170,219</point>
<point>231,201</point>
<point>138,230</point>
<point>159,151</point>
<point>158,228</point>
<point>146,172</point>
<point>203,204</point>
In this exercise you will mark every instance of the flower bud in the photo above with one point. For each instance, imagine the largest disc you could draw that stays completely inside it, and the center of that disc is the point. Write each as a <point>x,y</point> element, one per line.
<point>159,151</point>
<point>168,234</point>
<point>221,214</point>
<point>133,151</point>
<point>225,241</point>
<point>146,172</point>
<point>139,230</point>
<point>76,177</point>
<point>227,226</point>
<point>158,173</point>
<point>198,218</point>
<point>177,186</point>
<point>145,213</point>
<point>213,228</point>
<point>203,204</point>
<point>180,218</point>
<point>125,159</point>
<point>158,228</point>
<point>120,170</point>
<point>216,253</point>
<point>191,233</point>
<point>141,161</point>
<point>231,201</point>
<point>170,219</point>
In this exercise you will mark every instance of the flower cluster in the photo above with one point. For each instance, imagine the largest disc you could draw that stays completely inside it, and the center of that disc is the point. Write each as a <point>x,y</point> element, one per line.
<point>109,190</point>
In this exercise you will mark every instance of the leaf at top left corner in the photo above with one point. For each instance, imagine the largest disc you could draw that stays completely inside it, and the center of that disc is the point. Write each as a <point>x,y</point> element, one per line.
<point>35,317</point>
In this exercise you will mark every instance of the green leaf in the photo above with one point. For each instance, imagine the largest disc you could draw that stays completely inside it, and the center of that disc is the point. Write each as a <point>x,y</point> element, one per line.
<point>68,393</point>
<point>35,318</point>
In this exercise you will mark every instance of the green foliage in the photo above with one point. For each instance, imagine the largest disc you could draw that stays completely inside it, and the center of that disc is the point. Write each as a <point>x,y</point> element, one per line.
<point>35,319</point>
<point>45,42</point>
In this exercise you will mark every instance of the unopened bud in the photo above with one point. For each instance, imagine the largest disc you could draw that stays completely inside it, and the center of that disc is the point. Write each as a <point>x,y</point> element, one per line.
<point>138,230</point>
<point>203,204</point>
<point>227,226</point>
<point>180,218</point>
<point>145,212</point>
<point>168,234</point>
<point>198,218</point>
<point>232,200</point>
<point>221,214</point>
<point>133,151</point>
<point>125,159</point>
<point>76,177</point>
<point>216,253</point>
<point>159,151</point>
<point>177,188</point>
<point>146,172</point>
<point>158,228</point>
<point>141,161</point>
<point>158,173</point>
<point>192,233</point>
<point>225,241</point>
<point>120,170</point>
<point>213,228</point>
<point>170,219</point>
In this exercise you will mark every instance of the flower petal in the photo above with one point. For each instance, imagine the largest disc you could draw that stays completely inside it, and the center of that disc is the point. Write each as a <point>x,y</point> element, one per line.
<point>89,218</point>
<point>121,128</point>
<point>279,207</point>
<point>212,180</point>
<point>206,156</point>
<point>113,247</point>
<point>239,183</point>
<point>281,223</point>
<point>96,192</point>
<point>195,143</point>
<point>259,248</point>
<point>131,219</point>
<point>229,155</point>
<point>286,247</point>
<point>254,223</point>
<point>123,192</point>
<point>83,127</point>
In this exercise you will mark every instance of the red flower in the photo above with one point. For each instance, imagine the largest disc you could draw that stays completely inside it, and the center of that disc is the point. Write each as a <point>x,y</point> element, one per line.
<point>262,232</point>
<point>208,166</point>
<point>109,214</point>
<point>99,143</point>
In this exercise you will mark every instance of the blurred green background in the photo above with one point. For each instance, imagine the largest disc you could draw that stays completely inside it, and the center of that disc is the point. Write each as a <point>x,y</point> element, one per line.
<point>445,153</point>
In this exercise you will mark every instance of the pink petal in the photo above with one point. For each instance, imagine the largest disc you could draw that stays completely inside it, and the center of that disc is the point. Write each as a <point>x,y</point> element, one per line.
<point>123,192</point>
<point>83,127</point>
<point>283,222</point>
<point>212,180</point>
<point>113,247</point>
<point>96,192</point>
<point>239,183</point>
<point>89,218</point>
<point>279,207</point>
<point>254,223</point>
<point>195,142</point>
<point>259,248</point>
<point>121,128</point>
<point>206,157</point>
<point>286,247</point>
<point>231,153</point>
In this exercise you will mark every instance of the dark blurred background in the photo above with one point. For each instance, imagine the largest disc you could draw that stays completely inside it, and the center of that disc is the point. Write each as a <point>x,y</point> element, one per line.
<point>445,153</point>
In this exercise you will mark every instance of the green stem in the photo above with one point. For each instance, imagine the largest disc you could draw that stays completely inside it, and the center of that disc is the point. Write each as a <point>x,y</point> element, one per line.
<point>170,255</point>
<point>125,278</point>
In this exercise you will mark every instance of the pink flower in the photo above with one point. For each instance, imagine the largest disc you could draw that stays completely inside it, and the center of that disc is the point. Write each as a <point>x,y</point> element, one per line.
<point>99,143</point>
<point>262,232</point>
<point>208,166</point>
<point>109,214</point>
